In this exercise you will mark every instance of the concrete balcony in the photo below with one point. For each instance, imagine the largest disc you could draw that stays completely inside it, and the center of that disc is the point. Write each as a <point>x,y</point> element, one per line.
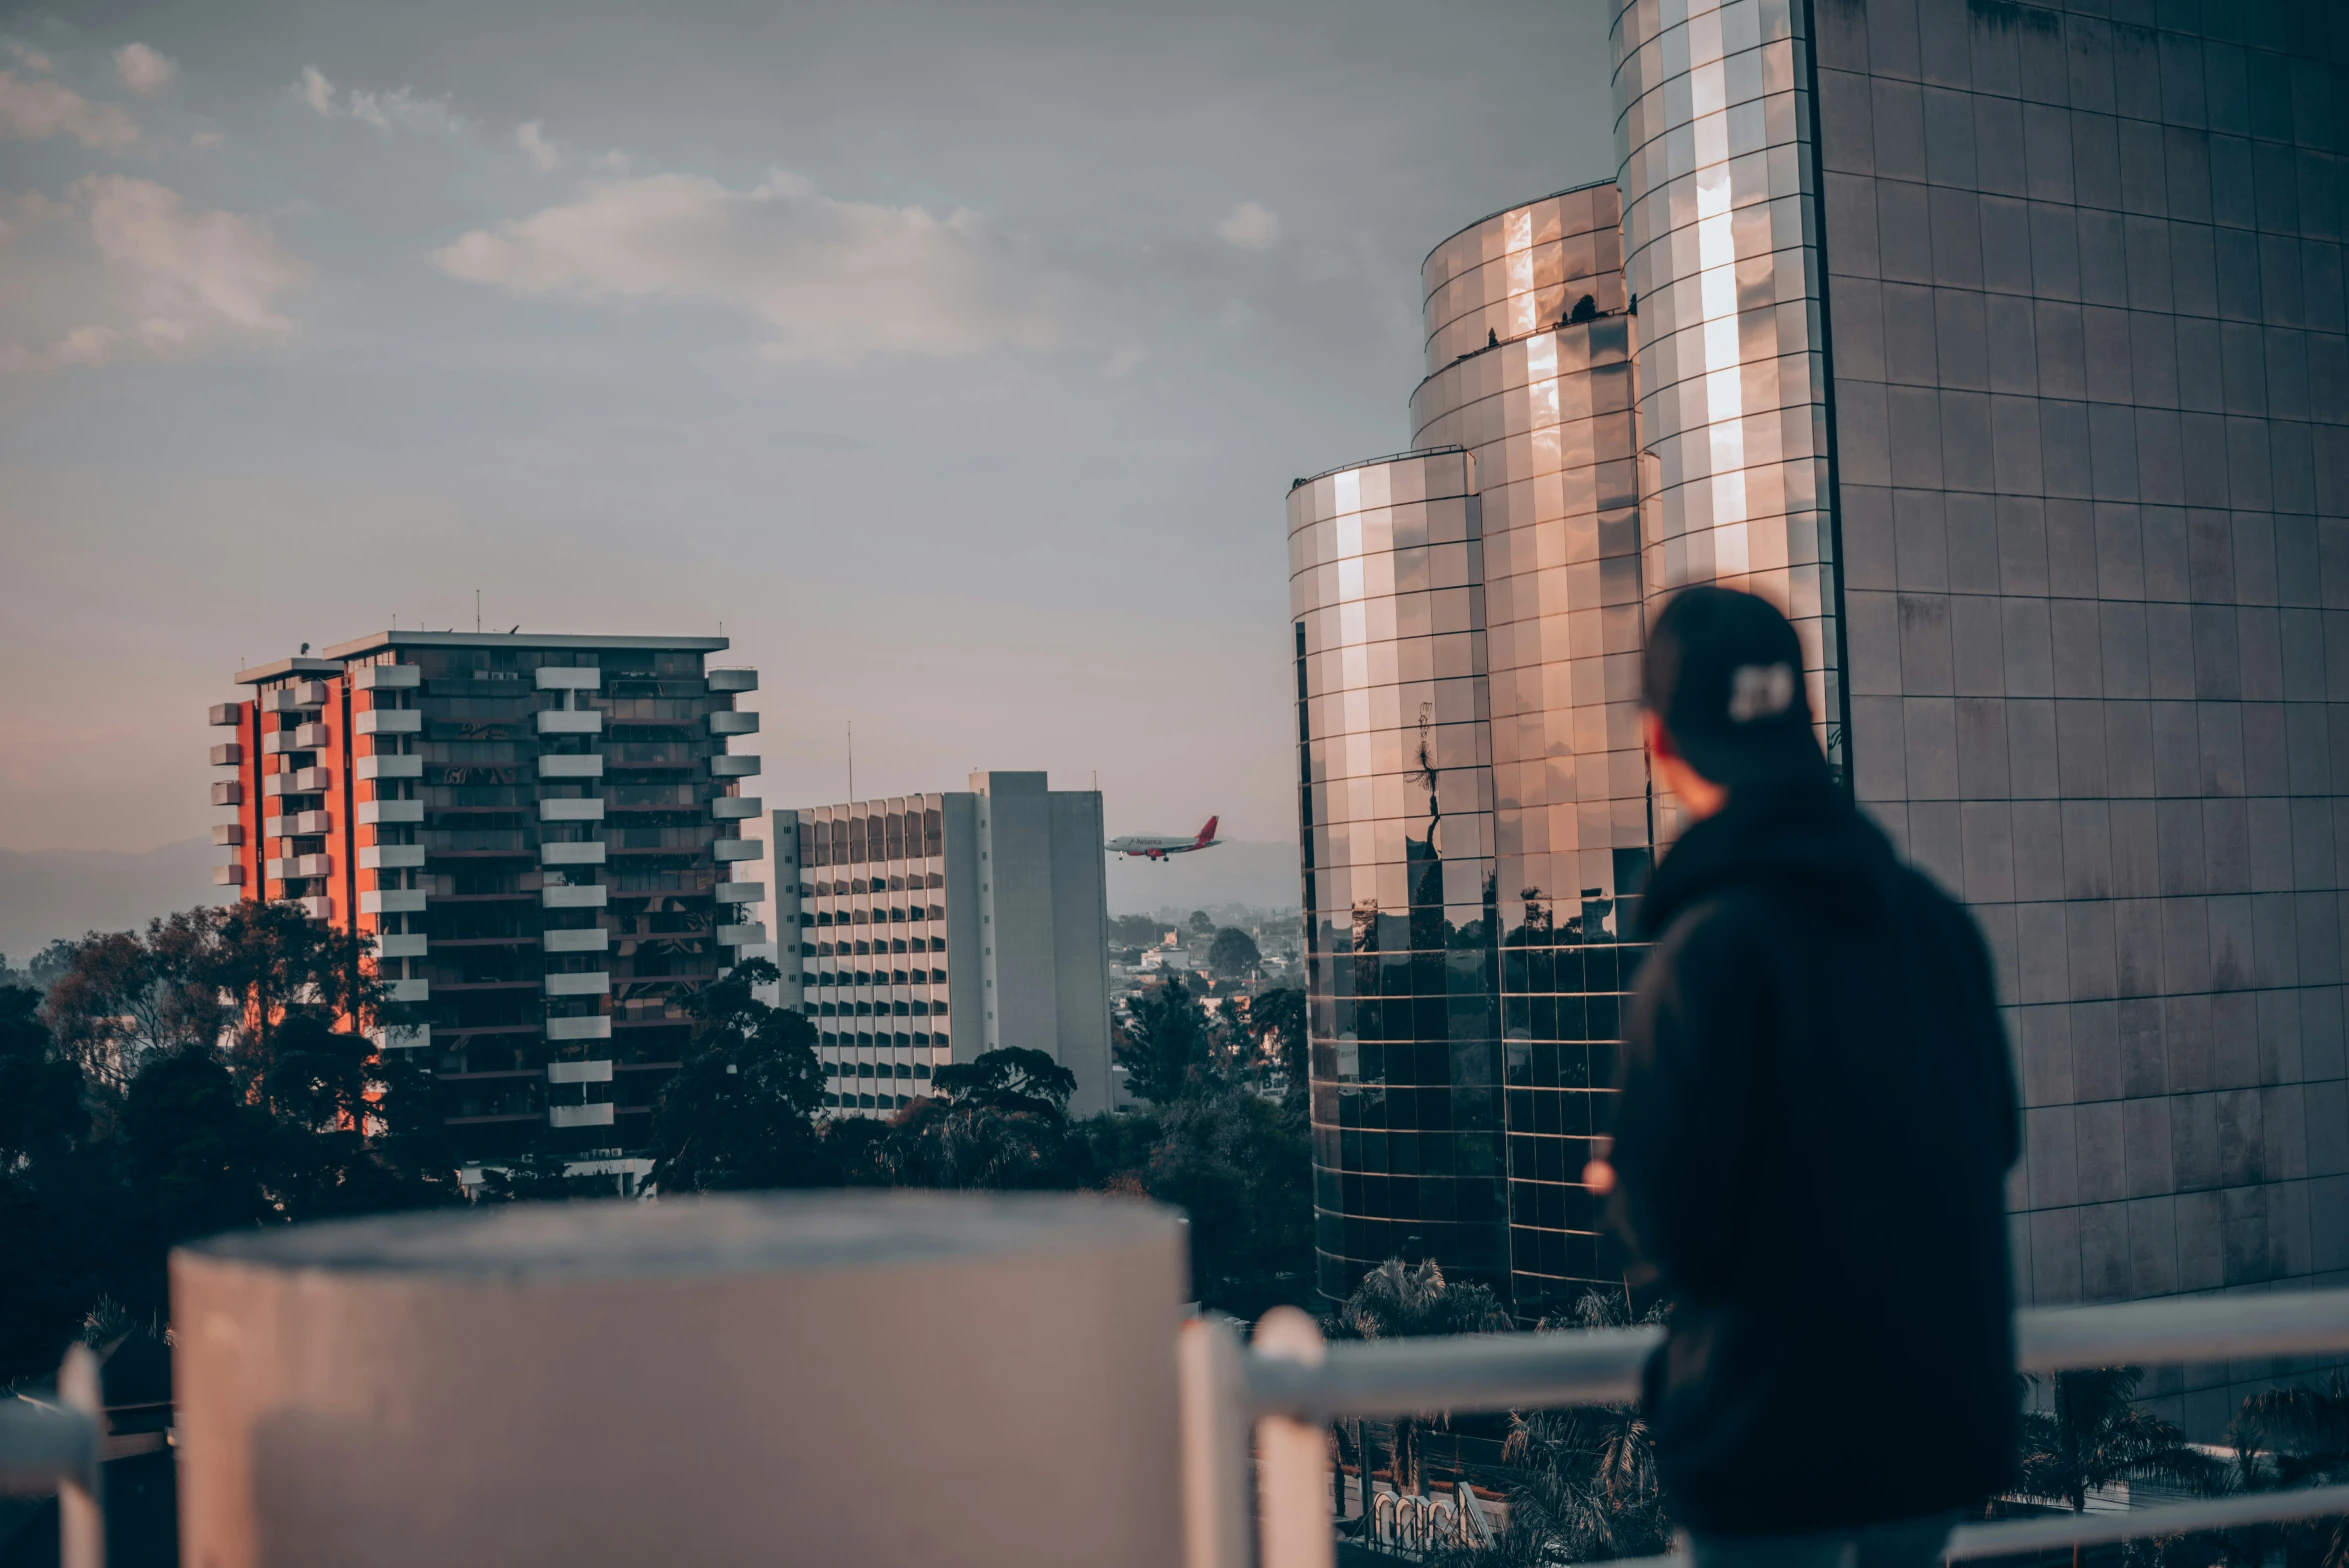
<point>318,908</point>
<point>595,984</point>
<point>229,754</point>
<point>573,897</point>
<point>388,721</point>
<point>304,823</point>
<point>571,854</point>
<point>228,792</point>
<point>579,1072</point>
<point>598,1027</point>
<point>579,1115</point>
<point>570,677</point>
<point>408,990</point>
<point>228,833</point>
<point>740,892</point>
<point>228,876</point>
<point>309,781</point>
<point>391,857</point>
<point>570,721</point>
<point>276,784</point>
<point>586,767</point>
<point>276,743</point>
<point>308,737</point>
<point>733,679</point>
<point>380,811</point>
<point>287,868</point>
<point>570,811</point>
<point>300,697</point>
<point>225,714</point>
<point>733,767</point>
<point>727,722</point>
<point>595,939</point>
<point>381,766</point>
<point>741,936</point>
<point>387,677</point>
<point>392,901</point>
<point>402,944</point>
<point>735,808</point>
<point>731,849</point>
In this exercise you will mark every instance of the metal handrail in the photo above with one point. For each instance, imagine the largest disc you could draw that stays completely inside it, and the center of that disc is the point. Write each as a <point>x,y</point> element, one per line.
<point>1493,1372</point>
<point>1289,1393</point>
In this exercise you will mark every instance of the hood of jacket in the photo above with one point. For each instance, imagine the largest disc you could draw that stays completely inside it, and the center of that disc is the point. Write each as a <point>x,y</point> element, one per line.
<point>1803,839</point>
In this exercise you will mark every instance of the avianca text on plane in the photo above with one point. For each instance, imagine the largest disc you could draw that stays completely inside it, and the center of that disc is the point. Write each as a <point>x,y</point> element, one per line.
<point>1144,847</point>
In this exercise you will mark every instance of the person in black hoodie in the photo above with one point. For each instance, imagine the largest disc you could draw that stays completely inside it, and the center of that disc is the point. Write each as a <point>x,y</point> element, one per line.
<point>1810,1148</point>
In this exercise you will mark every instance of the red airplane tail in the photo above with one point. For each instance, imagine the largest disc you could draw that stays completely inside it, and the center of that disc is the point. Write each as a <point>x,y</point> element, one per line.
<point>1208,831</point>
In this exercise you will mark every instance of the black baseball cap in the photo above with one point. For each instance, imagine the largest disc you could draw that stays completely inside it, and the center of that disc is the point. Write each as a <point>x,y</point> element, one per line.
<point>1724,670</point>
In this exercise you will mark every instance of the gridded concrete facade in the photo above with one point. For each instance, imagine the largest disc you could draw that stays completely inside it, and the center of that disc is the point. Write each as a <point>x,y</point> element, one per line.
<point>2083,318</point>
<point>1396,799</point>
<point>922,930</point>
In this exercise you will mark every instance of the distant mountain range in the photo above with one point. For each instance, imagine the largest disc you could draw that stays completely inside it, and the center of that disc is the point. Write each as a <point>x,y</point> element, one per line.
<point>46,893</point>
<point>1255,874</point>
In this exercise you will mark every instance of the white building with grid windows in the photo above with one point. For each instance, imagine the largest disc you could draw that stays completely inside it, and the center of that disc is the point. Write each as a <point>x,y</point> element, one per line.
<point>920,930</point>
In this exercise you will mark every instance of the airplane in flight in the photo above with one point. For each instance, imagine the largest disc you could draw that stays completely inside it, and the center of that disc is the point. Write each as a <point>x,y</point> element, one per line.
<point>1141,846</point>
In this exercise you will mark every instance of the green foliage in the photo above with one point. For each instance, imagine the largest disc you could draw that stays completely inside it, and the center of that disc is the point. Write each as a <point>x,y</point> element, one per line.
<point>212,1073</point>
<point>739,1113</point>
<point>1165,1046</point>
<point>1199,922</point>
<point>2094,1436</point>
<point>1399,1300</point>
<point>1011,1079</point>
<point>1233,953</point>
<point>1136,930</point>
<point>1277,1021</point>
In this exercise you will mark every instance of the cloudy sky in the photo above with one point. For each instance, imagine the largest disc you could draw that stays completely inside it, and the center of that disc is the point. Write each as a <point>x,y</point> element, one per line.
<point>953,357</point>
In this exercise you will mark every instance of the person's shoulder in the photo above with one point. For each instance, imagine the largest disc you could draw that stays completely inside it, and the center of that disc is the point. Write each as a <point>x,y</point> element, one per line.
<point>1730,918</point>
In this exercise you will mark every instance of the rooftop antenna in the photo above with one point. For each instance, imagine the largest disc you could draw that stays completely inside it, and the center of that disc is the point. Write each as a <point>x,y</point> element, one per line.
<point>852,761</point>
<point>477,610</point>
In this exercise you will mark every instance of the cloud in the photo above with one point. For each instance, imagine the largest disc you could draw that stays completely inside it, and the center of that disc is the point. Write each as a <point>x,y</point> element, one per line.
<point>143,70</point>
<point>32,58</point>
<point>37,110</point>
<point>399,109</point>
<point>531,138</point>
<point>1250,226</point>
<point>168,281</point>
<point>1122,362</point>
<point>836,281</point>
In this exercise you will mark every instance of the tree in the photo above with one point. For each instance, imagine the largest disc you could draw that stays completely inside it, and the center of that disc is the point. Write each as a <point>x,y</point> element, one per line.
<point>1243,1173</point>
<point>1399,1300</point>
<point>1586,1483</point>
<point>740,1112</point>
<point>998,1123</point>
<point>1200,924</point>
<point>1136,930</point>
<point>1165,1046</point>
<point>2094,1436</point>
<point>121,998</point>
<point>1277,1019</point>
<point>1233,953</point>
<point>42,969</point>
<point>2302,1435</point>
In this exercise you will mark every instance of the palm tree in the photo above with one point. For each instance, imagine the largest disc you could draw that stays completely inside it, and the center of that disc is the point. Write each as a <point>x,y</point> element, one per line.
<point>1398,1300</point>
<point>2302,1432</point>
<point>2095,1435</point>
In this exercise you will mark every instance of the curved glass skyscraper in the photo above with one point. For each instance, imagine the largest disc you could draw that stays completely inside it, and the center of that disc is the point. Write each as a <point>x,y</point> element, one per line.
<point>2006,346</point>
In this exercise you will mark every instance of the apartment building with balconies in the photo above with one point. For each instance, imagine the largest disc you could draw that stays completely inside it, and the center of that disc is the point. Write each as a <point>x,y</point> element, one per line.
<point>540,833</point>
<point>921,930</point>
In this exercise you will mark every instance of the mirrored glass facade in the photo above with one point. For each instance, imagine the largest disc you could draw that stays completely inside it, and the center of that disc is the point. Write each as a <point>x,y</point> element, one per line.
<point>1396,800</point>
<point>1530,369</point>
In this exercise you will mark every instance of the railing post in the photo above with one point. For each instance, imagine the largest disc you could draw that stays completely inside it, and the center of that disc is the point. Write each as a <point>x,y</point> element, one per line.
<point>1215,1445</point>
<point>1292,1458</point>
<point>81,1517</point>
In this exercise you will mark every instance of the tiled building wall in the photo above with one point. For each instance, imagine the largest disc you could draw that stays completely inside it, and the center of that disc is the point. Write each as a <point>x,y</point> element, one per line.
<point>1395,803</point>
<point>1529,367</point>
<point>2091,381</point>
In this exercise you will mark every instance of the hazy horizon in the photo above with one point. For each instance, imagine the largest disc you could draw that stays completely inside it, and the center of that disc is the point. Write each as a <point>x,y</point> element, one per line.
<point>953,359</point>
